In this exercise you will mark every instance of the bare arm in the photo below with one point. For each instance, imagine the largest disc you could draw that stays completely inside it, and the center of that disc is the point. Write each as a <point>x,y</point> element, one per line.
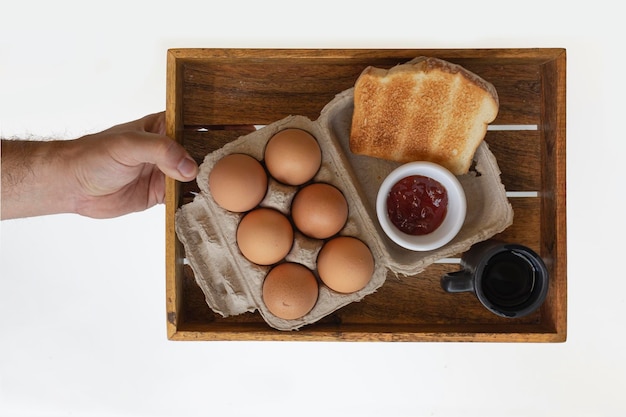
<point>111,173</point>
<point>28,173</point>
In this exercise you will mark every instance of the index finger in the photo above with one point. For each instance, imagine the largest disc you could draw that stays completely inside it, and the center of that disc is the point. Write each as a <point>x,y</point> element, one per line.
<point>152,123</point>
<point>171,158</point>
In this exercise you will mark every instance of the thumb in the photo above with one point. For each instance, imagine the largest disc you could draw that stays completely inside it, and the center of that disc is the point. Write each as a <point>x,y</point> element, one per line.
<point>169,156</point>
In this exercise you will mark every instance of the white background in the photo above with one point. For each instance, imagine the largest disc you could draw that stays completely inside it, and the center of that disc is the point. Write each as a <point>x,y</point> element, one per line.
<point>82,302</point>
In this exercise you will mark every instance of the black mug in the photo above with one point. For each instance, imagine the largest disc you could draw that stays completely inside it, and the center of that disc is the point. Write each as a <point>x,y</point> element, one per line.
<point>510,280</point>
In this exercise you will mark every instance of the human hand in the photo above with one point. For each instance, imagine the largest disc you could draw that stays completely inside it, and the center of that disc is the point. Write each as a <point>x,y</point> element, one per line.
<point>122,169</point>
<point>117,171</point>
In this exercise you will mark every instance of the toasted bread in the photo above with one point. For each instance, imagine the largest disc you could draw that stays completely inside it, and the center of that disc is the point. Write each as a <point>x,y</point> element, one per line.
<point>427,109</point>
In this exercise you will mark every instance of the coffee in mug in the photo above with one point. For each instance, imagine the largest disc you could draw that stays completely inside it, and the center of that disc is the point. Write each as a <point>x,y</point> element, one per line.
<point>510,280</point>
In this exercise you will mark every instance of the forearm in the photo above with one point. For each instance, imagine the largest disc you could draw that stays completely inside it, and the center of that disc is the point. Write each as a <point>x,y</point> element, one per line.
<point>35,178</point>
<point>107,174</point>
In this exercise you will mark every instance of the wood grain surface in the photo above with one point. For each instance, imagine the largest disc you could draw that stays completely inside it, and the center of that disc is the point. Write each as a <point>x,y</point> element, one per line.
<point>216,95</point>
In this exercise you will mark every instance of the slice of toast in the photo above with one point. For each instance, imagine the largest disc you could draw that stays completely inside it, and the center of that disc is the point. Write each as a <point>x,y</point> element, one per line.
<point>427,109</point>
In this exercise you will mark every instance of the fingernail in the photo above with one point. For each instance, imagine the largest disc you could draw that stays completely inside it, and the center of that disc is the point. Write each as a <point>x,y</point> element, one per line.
<point>187,167</point>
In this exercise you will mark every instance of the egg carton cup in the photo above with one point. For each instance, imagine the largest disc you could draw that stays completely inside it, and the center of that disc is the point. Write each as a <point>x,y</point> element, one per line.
<point>232,285</point>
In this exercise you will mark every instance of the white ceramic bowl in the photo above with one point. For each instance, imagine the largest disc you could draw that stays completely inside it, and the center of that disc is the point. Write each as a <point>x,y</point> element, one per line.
<point>451,224</point>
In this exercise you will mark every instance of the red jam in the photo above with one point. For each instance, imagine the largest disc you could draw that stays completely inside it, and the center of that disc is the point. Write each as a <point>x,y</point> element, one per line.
<point>417,204</point>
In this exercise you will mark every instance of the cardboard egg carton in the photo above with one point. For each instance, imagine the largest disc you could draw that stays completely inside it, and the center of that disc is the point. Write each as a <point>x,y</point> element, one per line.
<point>232,285</point>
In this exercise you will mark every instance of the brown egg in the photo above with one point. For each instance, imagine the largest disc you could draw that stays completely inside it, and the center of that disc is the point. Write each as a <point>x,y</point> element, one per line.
<point>238,182</point>
<point>264,236</point>
<point>293,156</point>
<point>345,264</point>
<point>319,210</point>
<point>290,290</point>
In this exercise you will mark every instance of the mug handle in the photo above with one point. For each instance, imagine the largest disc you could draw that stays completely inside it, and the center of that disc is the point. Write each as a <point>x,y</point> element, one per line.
<point>457,281</point>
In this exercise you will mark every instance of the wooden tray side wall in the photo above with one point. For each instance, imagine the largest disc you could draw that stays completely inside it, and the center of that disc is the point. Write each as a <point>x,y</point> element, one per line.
<point>553,230</point>
<point>532,83</point>
<point>174,251</point>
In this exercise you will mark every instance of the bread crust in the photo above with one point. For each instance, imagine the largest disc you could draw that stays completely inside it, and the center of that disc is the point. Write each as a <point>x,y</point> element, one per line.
<point>426,109</point>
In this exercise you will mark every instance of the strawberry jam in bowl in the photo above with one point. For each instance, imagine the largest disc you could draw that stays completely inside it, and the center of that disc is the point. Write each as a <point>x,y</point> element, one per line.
<point>421,206</point>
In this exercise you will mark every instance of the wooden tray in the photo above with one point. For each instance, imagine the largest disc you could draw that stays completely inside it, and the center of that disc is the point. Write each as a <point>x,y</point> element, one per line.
<point>216,95</point>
